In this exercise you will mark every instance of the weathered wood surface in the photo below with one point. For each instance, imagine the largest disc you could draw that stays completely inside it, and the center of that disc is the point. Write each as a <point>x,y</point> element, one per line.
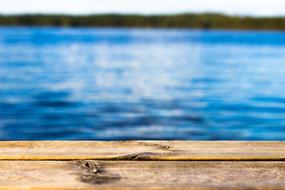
<point>143,150</point>
<point>141,175</point>
<point>142,165</point>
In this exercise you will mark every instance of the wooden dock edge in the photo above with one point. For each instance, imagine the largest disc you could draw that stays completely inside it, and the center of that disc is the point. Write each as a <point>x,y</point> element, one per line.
<point>137,165</point>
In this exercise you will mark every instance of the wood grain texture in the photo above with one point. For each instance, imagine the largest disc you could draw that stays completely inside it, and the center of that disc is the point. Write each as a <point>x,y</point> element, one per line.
<point>143,150</point>
<point>138,175</point>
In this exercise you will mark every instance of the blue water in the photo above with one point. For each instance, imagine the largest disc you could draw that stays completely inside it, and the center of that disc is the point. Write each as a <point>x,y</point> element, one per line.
<point>119,84</point>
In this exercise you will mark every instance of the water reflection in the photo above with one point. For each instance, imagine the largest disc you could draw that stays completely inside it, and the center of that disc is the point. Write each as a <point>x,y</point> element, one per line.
<point>111,84</point>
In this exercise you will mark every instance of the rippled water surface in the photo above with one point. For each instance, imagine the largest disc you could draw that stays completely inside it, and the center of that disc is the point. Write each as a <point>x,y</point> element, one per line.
<point>118,84</point>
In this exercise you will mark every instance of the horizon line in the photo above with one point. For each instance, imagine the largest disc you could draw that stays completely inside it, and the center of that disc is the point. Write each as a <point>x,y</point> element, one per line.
<point>141,14</point>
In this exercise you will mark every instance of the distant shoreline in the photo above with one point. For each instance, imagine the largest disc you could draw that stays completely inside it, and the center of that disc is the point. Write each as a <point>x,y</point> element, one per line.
<point>183,21</point>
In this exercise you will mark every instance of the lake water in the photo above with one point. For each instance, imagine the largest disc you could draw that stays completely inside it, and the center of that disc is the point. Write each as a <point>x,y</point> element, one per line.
<point>121,84</point>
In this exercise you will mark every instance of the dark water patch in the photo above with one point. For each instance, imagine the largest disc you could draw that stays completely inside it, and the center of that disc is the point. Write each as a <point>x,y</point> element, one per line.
<point>117,108</point>
<point>133,122</point>
<point>247,108</point>
<point>147,121</point>
<point>277,100</point>
<point>57,104</point>
<point>196,119</point>
<point>55,100</point>
<point>47,95</point>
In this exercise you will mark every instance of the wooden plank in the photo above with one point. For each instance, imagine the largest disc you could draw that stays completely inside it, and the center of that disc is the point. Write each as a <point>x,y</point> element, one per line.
<point>143,150</point>
<point>137,175</point>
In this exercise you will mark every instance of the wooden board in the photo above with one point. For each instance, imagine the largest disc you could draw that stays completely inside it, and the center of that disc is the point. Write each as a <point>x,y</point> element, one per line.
<point>143,150</point>
<point>141,165</point>
<point>141,175</point>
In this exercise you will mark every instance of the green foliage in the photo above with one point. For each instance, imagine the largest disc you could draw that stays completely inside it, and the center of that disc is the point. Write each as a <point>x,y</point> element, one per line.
<point>201,21</point>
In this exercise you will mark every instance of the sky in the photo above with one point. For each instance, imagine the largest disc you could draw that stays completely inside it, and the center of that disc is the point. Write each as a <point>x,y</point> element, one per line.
<point>232,7</point>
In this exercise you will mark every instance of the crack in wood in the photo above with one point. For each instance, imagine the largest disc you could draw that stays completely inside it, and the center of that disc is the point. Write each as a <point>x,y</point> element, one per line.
<point>91,172</point>
<point>144,156</point>
<point>159,146</point>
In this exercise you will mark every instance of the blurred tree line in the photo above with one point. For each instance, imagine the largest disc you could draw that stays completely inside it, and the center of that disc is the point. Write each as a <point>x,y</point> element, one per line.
<point>202,21</point>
